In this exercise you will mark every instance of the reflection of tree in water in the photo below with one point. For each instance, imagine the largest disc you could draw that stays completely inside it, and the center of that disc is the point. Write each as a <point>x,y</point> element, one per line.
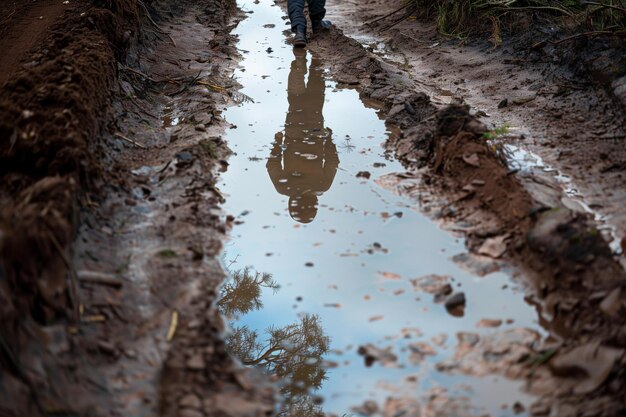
<point>293,353</point>
<point>242,292</point>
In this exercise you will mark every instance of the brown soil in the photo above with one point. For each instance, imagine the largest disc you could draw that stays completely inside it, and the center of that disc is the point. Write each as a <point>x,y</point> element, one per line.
<point>24,24</point>
<point>101,268</point>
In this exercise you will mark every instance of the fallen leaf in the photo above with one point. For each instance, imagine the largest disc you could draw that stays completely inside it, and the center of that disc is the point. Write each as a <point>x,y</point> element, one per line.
<point>390,275</point>
<point>489,323</point>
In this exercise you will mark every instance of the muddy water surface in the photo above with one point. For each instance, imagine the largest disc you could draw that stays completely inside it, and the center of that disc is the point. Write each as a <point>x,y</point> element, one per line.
<point>327,290</point>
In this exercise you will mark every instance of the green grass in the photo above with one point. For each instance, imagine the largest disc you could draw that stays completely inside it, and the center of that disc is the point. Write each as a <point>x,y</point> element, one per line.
<point>461,18</point>
<point>497,132</point>
<point>167,253</point>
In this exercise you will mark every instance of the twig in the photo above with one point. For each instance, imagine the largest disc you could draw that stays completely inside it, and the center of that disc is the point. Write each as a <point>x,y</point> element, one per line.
<point>141,109</point>
<point>414,39</point>
<point>186,86</point>
<point>157,27</point>
<point>100,278</point>
<point>579,35</point>
<point>146,76</point>
<point>387,15</point>
<point>557,9</point>
<point>605,6</point>
<point>215,87</point>
<point>402,19</point>
<point>73,277</point>
<point>172,39</point>
<point>139,145</point>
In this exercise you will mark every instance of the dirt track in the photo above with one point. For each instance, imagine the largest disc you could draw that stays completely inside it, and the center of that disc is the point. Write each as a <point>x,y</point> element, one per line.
<point>110,225</point>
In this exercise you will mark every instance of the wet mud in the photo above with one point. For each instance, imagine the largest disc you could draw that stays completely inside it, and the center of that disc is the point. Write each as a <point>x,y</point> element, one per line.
<point>198,220</point>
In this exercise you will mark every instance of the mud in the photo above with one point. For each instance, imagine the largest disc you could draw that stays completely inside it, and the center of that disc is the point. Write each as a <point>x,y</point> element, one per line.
<point>108,267</point>
<point>52,113</point>
<point>562,250</point>
<point>559,101</point>
<point>111,138</point>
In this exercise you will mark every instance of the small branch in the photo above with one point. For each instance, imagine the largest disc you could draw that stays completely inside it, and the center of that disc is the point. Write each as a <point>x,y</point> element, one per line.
<point>152,22</point>
<point>146,76</point>
<point>579,35</point>
<point>402,19</point>
<point>605,6</point>
<point>99,278</point>
<point>387,15</point>
<point>139,145</point>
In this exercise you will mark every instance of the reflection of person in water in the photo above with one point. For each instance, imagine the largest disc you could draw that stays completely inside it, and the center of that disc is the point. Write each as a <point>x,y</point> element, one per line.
<point>304,161</point>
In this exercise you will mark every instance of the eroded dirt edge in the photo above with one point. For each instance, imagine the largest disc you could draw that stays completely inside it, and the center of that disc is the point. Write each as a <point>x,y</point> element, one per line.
<point>568,269</point>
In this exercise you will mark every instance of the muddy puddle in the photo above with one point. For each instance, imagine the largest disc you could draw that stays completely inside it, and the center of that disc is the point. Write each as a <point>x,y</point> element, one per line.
<point>339,289</point>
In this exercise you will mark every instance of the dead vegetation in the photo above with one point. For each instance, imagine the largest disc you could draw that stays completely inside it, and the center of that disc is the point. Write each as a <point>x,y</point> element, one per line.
<point>465,17</point>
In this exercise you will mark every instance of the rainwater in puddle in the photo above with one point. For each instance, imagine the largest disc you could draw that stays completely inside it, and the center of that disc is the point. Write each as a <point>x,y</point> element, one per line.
<point>321,261</point>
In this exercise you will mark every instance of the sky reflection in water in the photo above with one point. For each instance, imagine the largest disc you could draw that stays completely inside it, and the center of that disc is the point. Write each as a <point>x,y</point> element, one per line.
<point>327,238</point>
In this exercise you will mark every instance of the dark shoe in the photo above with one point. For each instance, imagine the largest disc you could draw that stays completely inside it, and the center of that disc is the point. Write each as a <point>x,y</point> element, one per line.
<point>321,26</point>
<point>299,40</point>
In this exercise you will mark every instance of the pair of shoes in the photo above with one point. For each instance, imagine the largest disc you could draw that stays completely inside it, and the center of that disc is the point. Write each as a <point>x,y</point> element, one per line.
<point>299,40</point>
<point>321,26</point>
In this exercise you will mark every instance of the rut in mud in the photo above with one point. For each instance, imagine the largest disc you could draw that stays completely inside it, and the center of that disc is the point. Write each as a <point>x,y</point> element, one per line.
<point>337,287</point>
<point>317,181</point>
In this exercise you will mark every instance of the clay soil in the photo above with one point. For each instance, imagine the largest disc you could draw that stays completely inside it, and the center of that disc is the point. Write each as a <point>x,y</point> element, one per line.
<point>110,225</point>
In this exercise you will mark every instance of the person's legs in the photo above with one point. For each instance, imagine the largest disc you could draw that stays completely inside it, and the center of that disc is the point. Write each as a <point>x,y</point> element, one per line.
<point>317,11</point>
<point>295,8</point>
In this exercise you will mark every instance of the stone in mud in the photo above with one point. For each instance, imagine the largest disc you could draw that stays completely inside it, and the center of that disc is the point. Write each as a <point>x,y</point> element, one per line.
<point>518,408</point>
<point>494,247</point>
<point>455,304</point>
<point>107,348</point>
<point>190,401</point>
<point>478,265</point>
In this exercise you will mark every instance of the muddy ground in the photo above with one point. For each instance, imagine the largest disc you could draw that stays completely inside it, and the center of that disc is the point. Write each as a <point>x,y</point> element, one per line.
<point>110,226</point>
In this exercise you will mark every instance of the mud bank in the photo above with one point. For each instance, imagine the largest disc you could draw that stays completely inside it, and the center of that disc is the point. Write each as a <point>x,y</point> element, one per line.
<point>558,99</point>
<point>108,227</point>
<point>563,256</point>
<point>53,113</point>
